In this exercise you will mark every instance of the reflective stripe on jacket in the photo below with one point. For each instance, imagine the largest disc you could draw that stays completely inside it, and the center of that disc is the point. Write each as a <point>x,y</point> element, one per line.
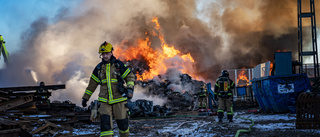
<point>202,92</point>
<point>105,74</point>
<point>223,87</point>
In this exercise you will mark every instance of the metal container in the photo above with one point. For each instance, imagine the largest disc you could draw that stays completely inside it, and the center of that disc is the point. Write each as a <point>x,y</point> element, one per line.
<point>283,63</point>
<point>278,94</point>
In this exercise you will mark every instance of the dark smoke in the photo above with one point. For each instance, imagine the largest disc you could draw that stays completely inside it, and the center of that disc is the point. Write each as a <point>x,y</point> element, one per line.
<point>254,31</point>
<point>233,35</point>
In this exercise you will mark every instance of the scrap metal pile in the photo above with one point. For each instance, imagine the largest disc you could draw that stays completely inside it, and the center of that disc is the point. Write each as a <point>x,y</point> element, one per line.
<point>177,98</point>
<point>308,108</point>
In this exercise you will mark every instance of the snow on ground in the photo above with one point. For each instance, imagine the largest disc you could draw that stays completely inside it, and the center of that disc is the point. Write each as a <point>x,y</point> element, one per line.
<point>205,126</point>
<point>286,121</point>
<point>184,131</point>
<point>87,129</point>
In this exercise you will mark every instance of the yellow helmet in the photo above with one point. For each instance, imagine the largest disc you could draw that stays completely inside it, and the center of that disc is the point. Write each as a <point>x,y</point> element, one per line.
<point>1,38</point>
<point>204,85</point>
<point>105,47</point>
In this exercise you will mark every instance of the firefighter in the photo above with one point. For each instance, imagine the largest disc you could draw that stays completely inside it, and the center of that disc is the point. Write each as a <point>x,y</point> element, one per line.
<point>223,91</point>
<point>202,98</point>
<point>111,98</point>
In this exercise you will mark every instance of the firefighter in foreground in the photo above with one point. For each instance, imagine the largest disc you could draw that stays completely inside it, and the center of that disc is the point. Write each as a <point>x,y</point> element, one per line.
<point>113,95</point>
<point>202,98</point>
<point>223,91</point>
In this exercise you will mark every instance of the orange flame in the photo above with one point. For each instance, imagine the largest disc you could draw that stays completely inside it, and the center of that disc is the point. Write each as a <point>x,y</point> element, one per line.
<point>271,67</point>
<point>243,77</point>
<point>284,50</point>
<point>157,60</point>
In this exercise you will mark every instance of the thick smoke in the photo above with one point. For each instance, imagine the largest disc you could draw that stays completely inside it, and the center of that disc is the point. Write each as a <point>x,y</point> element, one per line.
<point>141,93</point>
<point>238,33</point>
<point>231,35</point>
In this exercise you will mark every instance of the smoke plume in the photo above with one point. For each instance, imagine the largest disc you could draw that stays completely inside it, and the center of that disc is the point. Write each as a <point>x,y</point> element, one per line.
<point>223,34</point>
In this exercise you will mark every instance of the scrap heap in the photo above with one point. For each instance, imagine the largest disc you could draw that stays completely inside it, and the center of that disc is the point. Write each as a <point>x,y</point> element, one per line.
<point>178,100</point>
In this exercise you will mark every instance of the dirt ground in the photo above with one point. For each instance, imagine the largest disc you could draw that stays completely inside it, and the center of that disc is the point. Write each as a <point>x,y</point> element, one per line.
<point>189,124</point>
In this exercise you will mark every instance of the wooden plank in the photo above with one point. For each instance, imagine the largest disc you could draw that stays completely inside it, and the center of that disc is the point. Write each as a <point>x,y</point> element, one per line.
<point>41,128</point>
<point>51,132</point>
<point>8,124</point>
<point>16,102</point>
<point>2,98</point>
<point>31,88</point>
<point>8,131</point>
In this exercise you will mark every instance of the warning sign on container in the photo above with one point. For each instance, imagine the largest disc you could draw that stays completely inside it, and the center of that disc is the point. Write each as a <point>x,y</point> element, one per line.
<point>285,88</point>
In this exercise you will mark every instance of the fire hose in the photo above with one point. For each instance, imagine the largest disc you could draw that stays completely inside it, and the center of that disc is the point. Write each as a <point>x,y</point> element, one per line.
<point>195,104</point>
<point>243,130</point>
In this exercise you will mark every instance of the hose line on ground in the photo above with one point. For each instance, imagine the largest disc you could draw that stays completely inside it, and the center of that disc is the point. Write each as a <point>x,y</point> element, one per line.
<point>243,130</point>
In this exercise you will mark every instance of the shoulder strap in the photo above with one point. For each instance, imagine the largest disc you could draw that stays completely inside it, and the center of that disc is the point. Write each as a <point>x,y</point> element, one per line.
<point>120,66</point>
<point>97,72</point>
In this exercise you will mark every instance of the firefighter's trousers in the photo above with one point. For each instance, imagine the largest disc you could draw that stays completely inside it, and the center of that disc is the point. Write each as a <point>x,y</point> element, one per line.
<point>225,103</point>
<point>202,102</point>
<point>120,113</point>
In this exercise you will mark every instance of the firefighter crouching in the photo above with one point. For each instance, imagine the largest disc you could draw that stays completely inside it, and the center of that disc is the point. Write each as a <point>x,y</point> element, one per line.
<point>223,91</point>
<point>202,98</point>
<point>112,98</point>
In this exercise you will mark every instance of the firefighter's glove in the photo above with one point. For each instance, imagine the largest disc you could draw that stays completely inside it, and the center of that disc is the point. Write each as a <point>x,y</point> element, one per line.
<point>94,116</point>
<point>130,93</point>
<point>84,102</point>
<point>121,89</point>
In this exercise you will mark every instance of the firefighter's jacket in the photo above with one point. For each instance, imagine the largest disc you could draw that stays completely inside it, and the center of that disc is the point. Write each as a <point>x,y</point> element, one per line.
<point>202,92</point>
<point>223,87</point>
<point>105,75</point>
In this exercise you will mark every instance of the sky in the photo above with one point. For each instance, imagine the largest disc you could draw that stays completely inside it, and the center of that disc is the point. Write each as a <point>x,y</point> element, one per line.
<point>17,16</point>
<point>56,41</point>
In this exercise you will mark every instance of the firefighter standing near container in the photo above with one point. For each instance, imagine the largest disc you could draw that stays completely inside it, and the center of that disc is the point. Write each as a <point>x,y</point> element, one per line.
<point>202,94</point>
<point>112,97</point>
<point>223,91</point>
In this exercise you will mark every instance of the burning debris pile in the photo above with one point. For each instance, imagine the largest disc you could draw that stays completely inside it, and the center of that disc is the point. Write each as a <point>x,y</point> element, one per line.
<point>180,94</point>
<point>144,108</point>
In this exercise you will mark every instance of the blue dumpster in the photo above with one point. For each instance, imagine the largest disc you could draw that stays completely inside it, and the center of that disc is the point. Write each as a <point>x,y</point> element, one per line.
<point>278,94</point>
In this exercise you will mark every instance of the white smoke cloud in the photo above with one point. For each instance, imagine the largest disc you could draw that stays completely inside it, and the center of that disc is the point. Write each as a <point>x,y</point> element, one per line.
<point>75,88</point>
<point>34,76</point>
<point>140,93</point>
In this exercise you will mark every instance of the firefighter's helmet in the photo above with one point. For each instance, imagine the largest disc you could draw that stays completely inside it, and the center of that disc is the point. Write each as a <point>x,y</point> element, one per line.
<point>225,73</point>
<point>105,47</point>
<point>42,83</point>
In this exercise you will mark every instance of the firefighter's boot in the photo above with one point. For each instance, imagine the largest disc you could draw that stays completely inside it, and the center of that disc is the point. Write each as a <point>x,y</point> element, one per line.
<point>220,116</point>
<point>124,134</point>
<point>200,109</point>
<point>123,125</point>
<point>230,117</point>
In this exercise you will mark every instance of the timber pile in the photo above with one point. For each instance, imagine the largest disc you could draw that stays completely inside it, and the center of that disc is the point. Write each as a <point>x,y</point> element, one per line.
<point>58,121</point>
<point>9,128</point>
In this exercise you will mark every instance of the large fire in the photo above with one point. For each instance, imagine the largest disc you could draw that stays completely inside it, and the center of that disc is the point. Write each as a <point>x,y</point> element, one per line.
<point>242,79</point>
<point>158,60</point>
